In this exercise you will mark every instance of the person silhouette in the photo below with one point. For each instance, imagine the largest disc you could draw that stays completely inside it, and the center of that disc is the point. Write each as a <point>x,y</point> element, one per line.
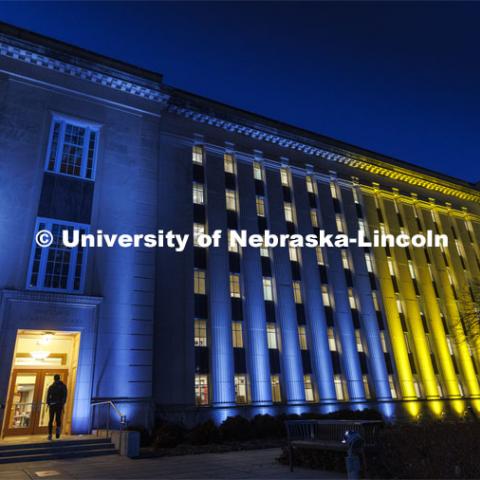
<point>56,398</point>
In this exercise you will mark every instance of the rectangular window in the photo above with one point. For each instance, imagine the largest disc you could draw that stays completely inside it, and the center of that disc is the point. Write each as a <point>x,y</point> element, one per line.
<point>57,267</point>
<point>231,200</point>
<point>310,187</point>
<point>276,391</point>
<point>287,207</point>
<point>72,149</point>
<point>235,291</point>
<point>200,328</point>
<point>351,299</point>
<point>229,163</point>
<point>325,296</point>
<point>284,177</point>
<point>293,254</point>
<point>345,260</point>
<point>376,305</point>
<point>264,252</point>
<point>393,388</point>
<point>339,387</point>
<point>407,341</point>
<point>257,171</point>
<point>260,202</point>
<point>411,269</point>
<point>383,341</point>
<point>198,229</point>
<point>450,345</point>
<point>355,195</point>
<point>199,282</point>
<point>366,387</point>
<point>319,253</point>
<point>198,194</point>
<point>314,218</point>
<point>358,341</point>
<point>309,391</point>
<point>237,335</point>
<point>418,387</point>
<point>297,292</point>
<point>390,267</point>
<point>368,261</point>
<point>333,190</point>
<point>241,389</point>
<point>267,289</point>
<point>332,342</point>
<point>272,336</point>
<point>302,337</point>
<point>339,223</point>
<point>197,154</point>
<point>233,246</point>
<point>201,389</point>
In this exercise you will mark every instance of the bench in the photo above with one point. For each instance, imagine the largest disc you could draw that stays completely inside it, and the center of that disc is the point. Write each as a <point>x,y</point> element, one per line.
<point>329,435</point>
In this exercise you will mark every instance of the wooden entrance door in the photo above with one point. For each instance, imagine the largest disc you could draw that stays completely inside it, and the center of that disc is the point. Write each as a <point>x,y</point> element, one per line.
<point>27,411</point>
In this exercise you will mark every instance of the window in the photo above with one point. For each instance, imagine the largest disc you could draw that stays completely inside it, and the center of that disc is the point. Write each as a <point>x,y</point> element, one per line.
<point>411,269</point>
<point>293,254</point>
<point>345,261</point>
<point>339,387</point>
<point>198,195</point>
<point>302,337</point>
<point>237,335</point>
<point>310,187</point>
<point>368,261</point>
<point>309,391</point>
<point>231,200</point>
<point>355,195</point>
<point>272,336</point>
<point>393,388</point>
<point>201,389</point>
<point>332,342</point>
<point>366,387</point>
<point>325,296</point>
<point>319,253</point>
<point>199,282</point>
<point>284,177</point>
<point>233,246</point>
<point>267,289</point>
<point>287,207</point>
<point>241,389</point>
<point>339,223</point>
<point>257,171</point>
<point>229,163</point>
<point>235,285</point>
<point>198,229</point>
<point>333,190</point>
<point>72,148</point>
<point>260,206</point>
<point>197,154</point>
<point>418,387</point>
<point>407,341</point>
<point>314,218</point>
<point>57,267</point>
<point>276,391</point>
<point>450,345</point>
<point>376,305</point>
<point>351,299</point>
<point>390,267</point>
<point>358,341</point>
<point>200,329</point>
<point>297,292</point>
<point>383,341</point>
<point>264,252</point>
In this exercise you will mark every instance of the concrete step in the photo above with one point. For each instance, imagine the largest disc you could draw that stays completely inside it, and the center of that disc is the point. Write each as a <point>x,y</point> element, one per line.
<point>53,443</point>
<point>51,449</point>
<point>56,455</point>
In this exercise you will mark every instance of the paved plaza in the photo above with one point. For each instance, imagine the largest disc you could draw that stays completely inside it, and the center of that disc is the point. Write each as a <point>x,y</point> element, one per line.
<point>253,464</point>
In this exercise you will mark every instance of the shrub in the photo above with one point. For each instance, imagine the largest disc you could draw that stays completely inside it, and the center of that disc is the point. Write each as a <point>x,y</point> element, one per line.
<point>204,433</point>
<point>236,429</point>
<point>266,426</point>
<point>168,435</point>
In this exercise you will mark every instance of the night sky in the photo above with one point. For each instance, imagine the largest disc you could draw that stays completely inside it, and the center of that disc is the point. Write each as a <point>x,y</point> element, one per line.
<point>400,79</point>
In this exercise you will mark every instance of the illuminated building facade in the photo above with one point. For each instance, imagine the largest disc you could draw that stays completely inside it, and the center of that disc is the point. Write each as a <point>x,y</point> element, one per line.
<point>91,143</point>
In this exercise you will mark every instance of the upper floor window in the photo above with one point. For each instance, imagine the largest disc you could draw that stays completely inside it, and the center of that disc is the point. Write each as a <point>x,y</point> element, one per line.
<point>237,335</point>
<point>314,218</point>
<point>310,187</point>
<point>72,148</point>
<point>235,291</point>
<point>257,171</point>
<point>57,267</point>
<point>288,212</point>
<point>284,177</point>
<point>198,194</point>
<point>229,163</point>
<point>200,334</point>
<point>197,154</point>
<point>260,202</point>
<point>200,282</point>
<point>231,200</point>
<point>267,289</point>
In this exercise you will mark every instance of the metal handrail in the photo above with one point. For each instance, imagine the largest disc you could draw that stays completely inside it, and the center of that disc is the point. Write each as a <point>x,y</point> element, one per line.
<point>123,418</point>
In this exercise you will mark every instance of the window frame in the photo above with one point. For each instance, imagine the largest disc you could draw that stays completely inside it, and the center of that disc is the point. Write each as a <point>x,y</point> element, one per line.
<point>90,127</point>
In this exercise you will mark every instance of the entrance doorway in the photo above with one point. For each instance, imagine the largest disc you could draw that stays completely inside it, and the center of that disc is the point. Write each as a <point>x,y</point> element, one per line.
<point>38,357</point>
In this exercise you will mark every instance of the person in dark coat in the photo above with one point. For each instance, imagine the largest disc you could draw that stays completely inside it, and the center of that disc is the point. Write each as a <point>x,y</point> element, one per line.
<point>56,398</point>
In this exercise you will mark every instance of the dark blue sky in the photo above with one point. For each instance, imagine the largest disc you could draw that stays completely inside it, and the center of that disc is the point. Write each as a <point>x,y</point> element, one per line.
<point>401,79</point>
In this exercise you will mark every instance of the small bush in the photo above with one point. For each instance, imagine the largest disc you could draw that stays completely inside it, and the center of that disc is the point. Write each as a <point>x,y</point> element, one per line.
<point>266,426</point>
<point>169,435</point>
<point>236,429</point>
<point>203,434</point>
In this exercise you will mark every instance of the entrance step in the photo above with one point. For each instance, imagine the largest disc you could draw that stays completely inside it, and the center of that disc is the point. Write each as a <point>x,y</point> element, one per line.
<point>36,451</point>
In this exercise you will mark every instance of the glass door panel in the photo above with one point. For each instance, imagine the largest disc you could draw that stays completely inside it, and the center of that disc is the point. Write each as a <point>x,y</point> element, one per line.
<point>22,403</point>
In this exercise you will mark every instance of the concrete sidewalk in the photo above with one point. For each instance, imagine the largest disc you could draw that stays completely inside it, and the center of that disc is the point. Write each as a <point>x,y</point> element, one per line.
<point>252,464</point>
